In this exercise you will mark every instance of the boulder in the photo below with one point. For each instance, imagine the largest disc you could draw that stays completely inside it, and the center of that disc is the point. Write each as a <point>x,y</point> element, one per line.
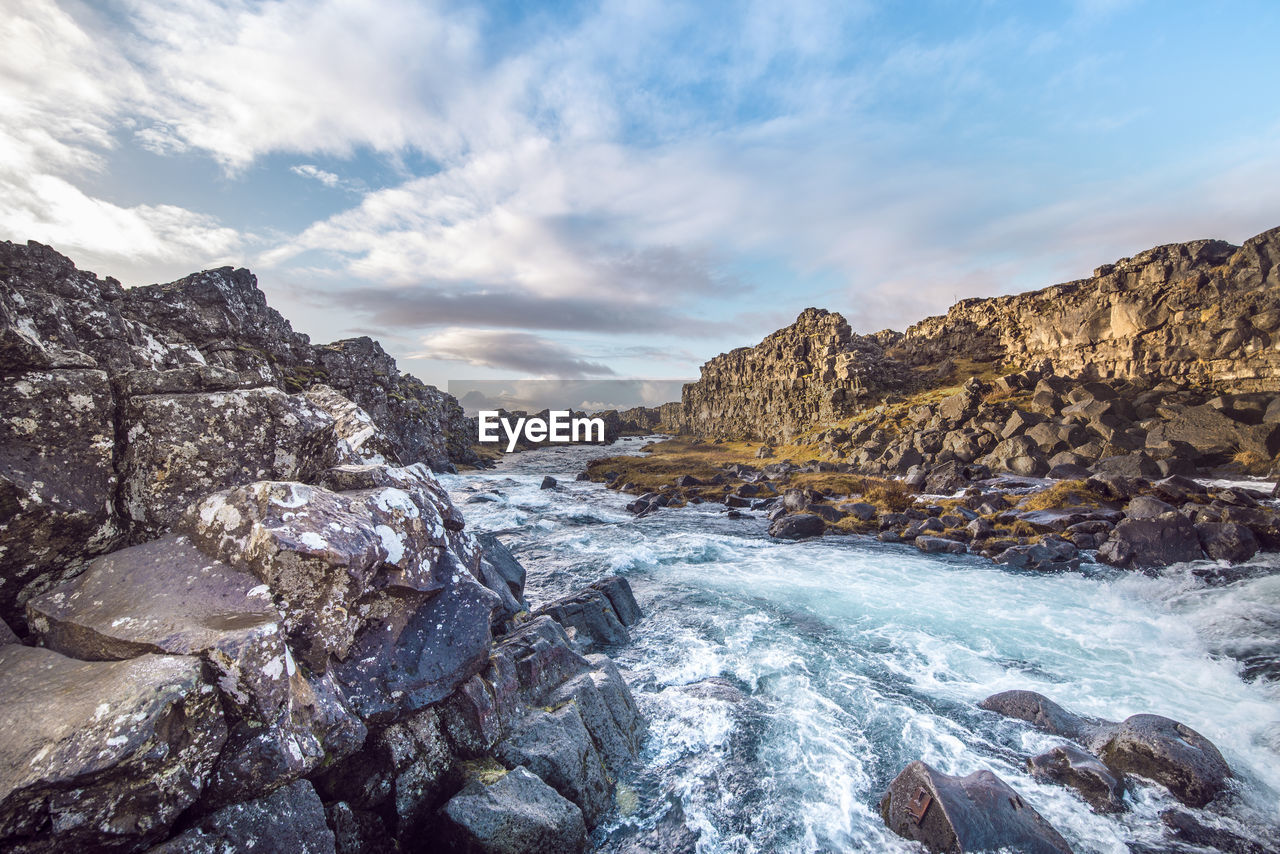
<point>549,482</point>
<point>1039,711</point>
<point>1227,541</point>
<point>860,510</point>
<point>1068,765</point>
<point>6,634</point>
<point>1020,455</point>
<point>797,526</point>
<point>1051,554</point>
<point>558,748</point>
<point>1167,539</point>
<point>979,812</point>
<point>101,755</point>
<point>514,814</point>
<point>290,819</point>
<point>1170,753</point>
<point>1135,465</point>
<point>590,614</point>
<point>946,479</point>
<point>618,591</point>
<point>608,711</point>
<point>940,545</point>
<point>1147,507</point>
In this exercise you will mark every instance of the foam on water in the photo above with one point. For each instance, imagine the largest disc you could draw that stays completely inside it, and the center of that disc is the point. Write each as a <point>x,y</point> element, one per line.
<point>856,657</point>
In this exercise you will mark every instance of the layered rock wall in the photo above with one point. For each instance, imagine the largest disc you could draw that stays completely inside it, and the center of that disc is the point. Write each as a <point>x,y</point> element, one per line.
<point>1205,312</point>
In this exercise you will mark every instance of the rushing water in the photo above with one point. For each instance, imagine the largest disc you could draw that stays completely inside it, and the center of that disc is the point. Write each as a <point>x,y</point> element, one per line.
<point>856,657</point>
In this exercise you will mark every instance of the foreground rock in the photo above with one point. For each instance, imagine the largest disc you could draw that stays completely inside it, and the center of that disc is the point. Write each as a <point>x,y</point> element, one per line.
<point>290,819</point>
<point>979,812</point>
<point>1149,746</point>
<point>1068,765</point>
<point>516,814</point>
<point>101,755</point>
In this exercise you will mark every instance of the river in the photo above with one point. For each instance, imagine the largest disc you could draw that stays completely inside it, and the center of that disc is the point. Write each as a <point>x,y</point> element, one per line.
<point>855,657</point>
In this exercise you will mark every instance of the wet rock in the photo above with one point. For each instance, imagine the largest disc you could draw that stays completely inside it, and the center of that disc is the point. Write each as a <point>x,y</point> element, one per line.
<point>1167,539</point>
<point>1068,765</point>
<point>498,570</point>
<point>1185,827</point>
<point>590,614</point>
<point>671,834</point>
<point>1170,753</point>
<point>100,755</point>
<point>608,710</point>
<point>1039,711</point>
<point>797,526</point>
<point>1227,541</point>
<point>558,748</point>
<point>979,812</point>
<point>57,481</point>
<point>516,814</point>
<point>290,819</point>
<point>549,482</point>
<point>1051,554</point>
<point>939,545</point>
<point>618,591</point>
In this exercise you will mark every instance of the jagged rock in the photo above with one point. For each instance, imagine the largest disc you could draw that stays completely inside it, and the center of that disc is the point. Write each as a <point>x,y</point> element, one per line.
<point>1167,539</point>
<point>979,812</point>
<point>401,773</point>
<point>590,614</point>
<point>1019,455</point>
<point>618,591</point>
<point>290,819</point>
<point>1051,554</point>
<point>1227,541</point>
<point>358,831</point>
<point>6,634</point>
<point>1174,755</point>
<point>181,447</point>
<point>516,814</point>
<point>607,709</point>
<point>1187,828</point>
<point>558,748</point>
<point>503,574</point>
<point>1135,465</point>
<point>166,597</point>
<point>797,526</point>
<point>1068,765</point>
<point>57,481</point>
<point>946,479</point>
<point>548,482</point>
<point>815,370</point>
<point>100,755</point>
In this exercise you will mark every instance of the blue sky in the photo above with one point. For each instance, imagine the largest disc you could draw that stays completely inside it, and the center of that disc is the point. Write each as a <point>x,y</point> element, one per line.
<point>626,189</point>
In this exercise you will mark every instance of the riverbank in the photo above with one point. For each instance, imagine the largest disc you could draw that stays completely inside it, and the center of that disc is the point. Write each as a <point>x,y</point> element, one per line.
<point>787,684</point>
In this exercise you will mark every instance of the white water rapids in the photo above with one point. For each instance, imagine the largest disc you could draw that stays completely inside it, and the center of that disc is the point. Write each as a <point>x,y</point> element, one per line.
<point>857,657</point>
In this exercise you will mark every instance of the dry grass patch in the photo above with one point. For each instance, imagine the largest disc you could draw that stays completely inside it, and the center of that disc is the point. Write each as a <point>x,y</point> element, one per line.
<point>1067,493</point>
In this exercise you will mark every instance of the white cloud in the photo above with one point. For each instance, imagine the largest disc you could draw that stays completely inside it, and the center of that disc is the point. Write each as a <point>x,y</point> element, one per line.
<point>515,351</point>
<point>315,173</point>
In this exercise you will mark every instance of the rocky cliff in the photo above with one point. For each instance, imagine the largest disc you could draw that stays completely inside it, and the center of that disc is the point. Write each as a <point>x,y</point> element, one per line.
<point>239,612</point>
<point>1204,313</point>
<point>815,370</point>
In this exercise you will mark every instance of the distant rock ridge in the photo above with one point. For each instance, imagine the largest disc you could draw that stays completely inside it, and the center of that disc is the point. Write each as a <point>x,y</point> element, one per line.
<point>1205,313</point>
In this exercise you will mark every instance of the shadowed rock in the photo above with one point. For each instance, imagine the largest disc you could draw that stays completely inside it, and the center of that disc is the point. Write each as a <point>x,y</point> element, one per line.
<point>589,613</point>
<point>290,819</point>
<point>1167,539</point>
<point>1173,754</point>
<point>516,814</point>
<point>618,591</point>
<point>797,526</point>
<point>979,812</point>
<point>558,748</point>
<point>100,756</point>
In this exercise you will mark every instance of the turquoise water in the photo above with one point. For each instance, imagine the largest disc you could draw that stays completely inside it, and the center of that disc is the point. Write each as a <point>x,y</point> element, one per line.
<point>856,657</point>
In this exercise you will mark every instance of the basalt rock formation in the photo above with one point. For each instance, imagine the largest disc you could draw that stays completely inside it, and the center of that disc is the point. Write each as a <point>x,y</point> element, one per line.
<point>1204,314</point>
<point>813,371</point>
<point>246,613</point>
<point>121,406</point>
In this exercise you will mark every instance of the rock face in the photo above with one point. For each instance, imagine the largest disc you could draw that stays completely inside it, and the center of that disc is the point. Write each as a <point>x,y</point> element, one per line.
<point>1204,311</point>
<point>979,812</point>
<point>121,406</point>
<point>126,748</point>
<point>517,814</point>
<point>814,370</point>
<point>251,627</point>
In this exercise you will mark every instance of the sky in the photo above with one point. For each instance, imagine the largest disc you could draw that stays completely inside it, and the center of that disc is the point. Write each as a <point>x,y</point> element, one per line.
<point>623,190</point>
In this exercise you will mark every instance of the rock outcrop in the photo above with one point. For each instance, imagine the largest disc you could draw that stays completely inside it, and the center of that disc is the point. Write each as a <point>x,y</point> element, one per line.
<point>240,620</point>
<point>120,406</point>
<point>813,371</point>
<point>1205,311</point>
